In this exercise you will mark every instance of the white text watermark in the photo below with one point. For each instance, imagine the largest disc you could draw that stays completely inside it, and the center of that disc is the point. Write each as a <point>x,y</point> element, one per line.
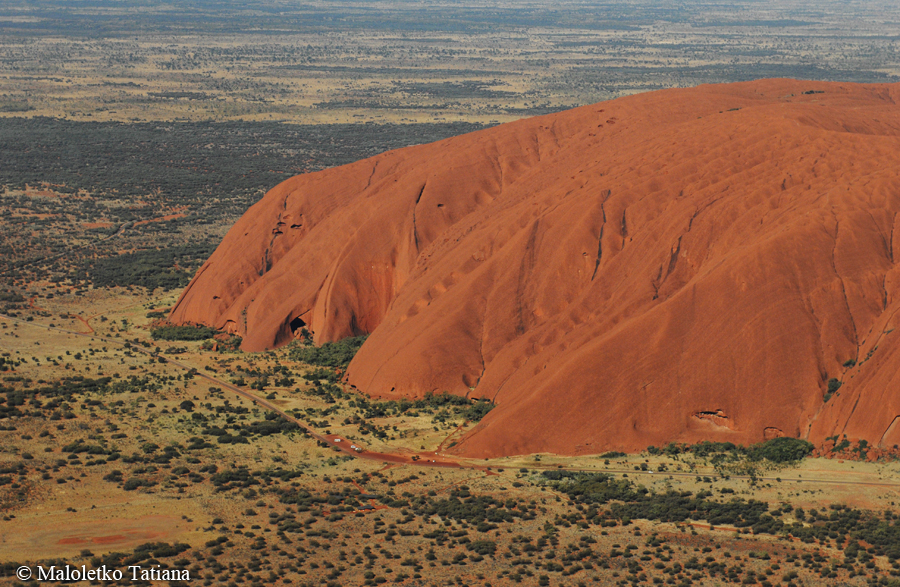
<point>70,573</point>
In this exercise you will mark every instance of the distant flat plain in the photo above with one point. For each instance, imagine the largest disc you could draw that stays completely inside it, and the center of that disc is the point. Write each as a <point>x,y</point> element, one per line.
<point>346,62</point>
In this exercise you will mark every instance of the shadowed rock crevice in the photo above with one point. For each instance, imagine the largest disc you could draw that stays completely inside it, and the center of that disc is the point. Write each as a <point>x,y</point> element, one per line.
<point>296,325</point>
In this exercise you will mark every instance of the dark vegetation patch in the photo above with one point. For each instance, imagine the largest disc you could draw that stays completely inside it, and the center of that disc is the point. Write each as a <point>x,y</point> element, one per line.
<point>182,332</point>
<point>242,433</point>
<point>243,478</point>
<point>181,95</point>
<point>331,354</point>
<point>614,454</point>
<point>409,523</point>
<point>9,296</point>
<point>443,407</point>
<point>844,526</point>
<point>7,364</point>
<point>119,174</point>
<point>145,555</point>
<point>483,511</point>
<point>777,450</point>
<point>169,268</point>
<point>191,162</point>
<point>454,90</point>
<point>51,400</point>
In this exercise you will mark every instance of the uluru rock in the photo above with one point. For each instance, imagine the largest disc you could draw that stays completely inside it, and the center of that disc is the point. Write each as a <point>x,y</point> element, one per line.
<point>679,265</point>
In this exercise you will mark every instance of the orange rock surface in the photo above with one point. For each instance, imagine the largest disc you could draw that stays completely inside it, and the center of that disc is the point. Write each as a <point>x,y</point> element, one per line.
<point>679,265</point>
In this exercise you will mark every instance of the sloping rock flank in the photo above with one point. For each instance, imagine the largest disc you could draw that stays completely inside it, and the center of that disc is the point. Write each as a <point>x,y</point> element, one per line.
<point>672,266</point>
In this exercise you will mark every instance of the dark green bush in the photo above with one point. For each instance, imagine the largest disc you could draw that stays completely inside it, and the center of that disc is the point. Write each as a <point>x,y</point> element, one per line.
<point>149,268</point>
<point>482,547</point>
<point>330,354</point>
<point>780,450</point>
<point>478,410</point>
<point>136,482</point>
<point>161,549</point>
<point>173,332</point>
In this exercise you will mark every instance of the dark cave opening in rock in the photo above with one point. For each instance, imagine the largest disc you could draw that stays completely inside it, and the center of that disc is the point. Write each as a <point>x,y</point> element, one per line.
<point>296,325</point>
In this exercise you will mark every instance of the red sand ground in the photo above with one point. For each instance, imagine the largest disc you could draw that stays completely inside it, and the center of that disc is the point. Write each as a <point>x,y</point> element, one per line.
<point>672,266</point>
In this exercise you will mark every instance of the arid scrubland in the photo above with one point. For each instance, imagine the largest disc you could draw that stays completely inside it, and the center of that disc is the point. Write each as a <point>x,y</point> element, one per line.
<point>384,62</point>
<point>133,136</point>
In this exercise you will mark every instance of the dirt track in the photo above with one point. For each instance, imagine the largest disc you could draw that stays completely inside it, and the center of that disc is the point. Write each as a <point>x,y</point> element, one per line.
<point>333,441</point>
<point>429,460</point>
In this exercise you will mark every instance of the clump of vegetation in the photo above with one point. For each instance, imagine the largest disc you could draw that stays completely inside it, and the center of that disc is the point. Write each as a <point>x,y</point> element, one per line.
<point>331,354</point>
<point>628,501</point>
<point>317,375</point>
<point>150,268</point>
<point>445,405</point>
<point>144,552</point>
<point>221,342</point>
<point>242,433</point>
<point>7,364</point>
<point>10,296</point>
<point>186,332</point>
<point>478,410</point>
<point>55,399</point>
<point>230,343</point>
<point>777,450</point>
<point>842,445</point>
<point>833,385</point>
<point>482,511</point>
<point>780,450</point>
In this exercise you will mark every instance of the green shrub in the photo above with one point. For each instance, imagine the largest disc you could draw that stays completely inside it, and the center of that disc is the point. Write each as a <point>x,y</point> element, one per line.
<point>478,410</point>
<point>780,450</point>
<point>174,332</point>
<point>149,268</point>
<point>482,547</point>
<point>134,483</point>
<point>162,549</point>
<point>330,354</point>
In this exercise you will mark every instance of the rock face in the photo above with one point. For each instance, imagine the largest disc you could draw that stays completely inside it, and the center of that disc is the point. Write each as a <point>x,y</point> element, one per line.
<point>672,266</point>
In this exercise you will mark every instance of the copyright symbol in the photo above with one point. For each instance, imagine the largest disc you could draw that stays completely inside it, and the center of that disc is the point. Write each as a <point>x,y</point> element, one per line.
<point>23,573</point>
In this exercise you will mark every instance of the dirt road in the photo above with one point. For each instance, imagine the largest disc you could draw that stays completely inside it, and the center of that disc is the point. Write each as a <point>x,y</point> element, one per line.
<point>420,459</point>
<point>332,441</point>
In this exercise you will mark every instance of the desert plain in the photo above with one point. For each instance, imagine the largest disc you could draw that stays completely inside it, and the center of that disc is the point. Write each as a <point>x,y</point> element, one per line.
<point>132,145</point>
